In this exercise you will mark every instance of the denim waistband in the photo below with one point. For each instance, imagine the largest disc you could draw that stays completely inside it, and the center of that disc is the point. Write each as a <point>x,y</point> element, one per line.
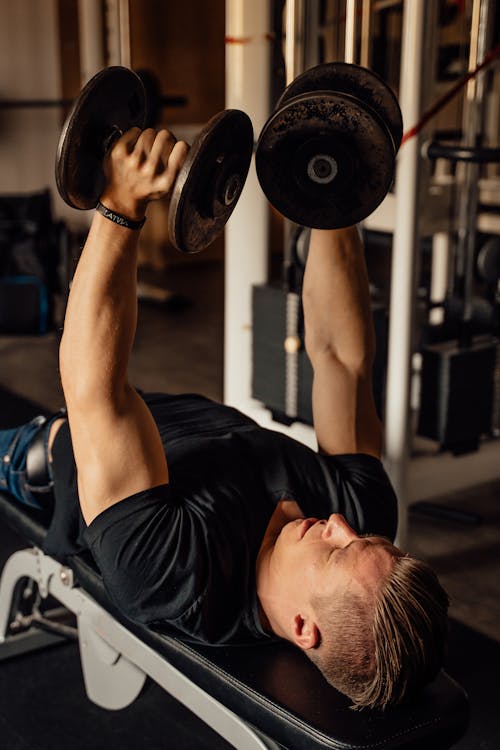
<point>14,444</point>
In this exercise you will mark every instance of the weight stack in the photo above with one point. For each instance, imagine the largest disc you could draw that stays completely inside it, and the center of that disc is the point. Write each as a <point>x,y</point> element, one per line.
<point>457,390</point>
<point>282,380</point>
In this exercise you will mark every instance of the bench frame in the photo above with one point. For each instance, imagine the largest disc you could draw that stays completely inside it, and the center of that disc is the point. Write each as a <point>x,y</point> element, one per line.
<point>115,662</point>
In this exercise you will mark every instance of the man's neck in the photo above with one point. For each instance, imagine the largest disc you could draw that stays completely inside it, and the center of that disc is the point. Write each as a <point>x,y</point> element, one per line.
<point>285,511</point>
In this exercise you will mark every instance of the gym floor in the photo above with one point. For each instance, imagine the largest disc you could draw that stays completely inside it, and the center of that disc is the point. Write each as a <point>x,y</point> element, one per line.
<point>178,348</point>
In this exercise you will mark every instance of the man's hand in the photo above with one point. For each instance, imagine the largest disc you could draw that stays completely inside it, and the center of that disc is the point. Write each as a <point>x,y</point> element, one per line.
<point>142,166</point>
<point>290,510</point>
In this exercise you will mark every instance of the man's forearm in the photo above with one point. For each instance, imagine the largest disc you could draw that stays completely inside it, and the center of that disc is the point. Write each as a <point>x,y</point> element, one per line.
<point>101,316</point>
<point>336,299</point>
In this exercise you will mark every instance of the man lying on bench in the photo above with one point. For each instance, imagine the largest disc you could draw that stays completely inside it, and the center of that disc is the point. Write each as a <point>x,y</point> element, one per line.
<point>199,518</point>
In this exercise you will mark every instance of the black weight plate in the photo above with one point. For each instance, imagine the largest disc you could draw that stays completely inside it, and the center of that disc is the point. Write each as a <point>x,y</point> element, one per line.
<point>210,181</point>
<point>325,161</point>
<point>488,260</point>
<point>358,82</point>
<point>112,102</point>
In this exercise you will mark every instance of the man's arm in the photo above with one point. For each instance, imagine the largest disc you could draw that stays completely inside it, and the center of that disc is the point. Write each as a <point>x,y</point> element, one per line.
<point>117,447</point>
<point>340,342</point>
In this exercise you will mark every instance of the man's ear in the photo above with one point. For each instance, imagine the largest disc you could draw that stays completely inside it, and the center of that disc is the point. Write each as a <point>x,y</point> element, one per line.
<point>305,632</point>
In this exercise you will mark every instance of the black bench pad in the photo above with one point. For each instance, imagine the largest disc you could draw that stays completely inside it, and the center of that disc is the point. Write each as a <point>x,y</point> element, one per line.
<point>274,686</point>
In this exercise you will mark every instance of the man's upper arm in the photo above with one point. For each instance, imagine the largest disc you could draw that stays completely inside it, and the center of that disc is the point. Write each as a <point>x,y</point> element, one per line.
<point>345,418</point>
<point>118,451</point>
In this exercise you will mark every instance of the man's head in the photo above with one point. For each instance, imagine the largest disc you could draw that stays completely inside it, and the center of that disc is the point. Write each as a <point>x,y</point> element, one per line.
<point>372,619</point>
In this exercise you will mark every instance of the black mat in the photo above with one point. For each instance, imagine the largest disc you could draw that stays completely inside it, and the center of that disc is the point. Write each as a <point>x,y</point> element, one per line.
<point>43,706</point>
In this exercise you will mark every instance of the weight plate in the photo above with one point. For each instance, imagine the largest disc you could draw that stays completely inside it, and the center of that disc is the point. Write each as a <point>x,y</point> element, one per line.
<point>112,102</point>
<point>210,181</point>
<point>324,160</point>
<point>488,260</point>
<point>359,83</point>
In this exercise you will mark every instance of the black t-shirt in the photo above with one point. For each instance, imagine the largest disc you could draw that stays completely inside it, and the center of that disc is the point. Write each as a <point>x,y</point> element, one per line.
<point>183,554</point>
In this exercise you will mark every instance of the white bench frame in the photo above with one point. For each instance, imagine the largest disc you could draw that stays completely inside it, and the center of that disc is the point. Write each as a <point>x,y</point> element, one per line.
<point>115,662</point>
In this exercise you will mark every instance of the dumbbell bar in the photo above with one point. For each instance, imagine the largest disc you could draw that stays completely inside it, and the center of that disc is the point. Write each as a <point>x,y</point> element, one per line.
<point>208,185</point>
<point>325,157</point>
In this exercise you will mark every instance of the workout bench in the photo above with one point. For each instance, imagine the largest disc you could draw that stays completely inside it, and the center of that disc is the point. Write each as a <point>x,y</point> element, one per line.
<point>258,697</point>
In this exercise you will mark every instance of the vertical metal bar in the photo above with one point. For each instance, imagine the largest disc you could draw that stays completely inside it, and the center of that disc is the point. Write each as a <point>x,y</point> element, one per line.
<point>295,55</point>
<point>439,275</point>
<point>294,38</point>
<point>350,31</point>
<point>292,357</point>
<point>90,38</point>
<point>311,44</point>
<point>474,112</point>
<point>248,52</point>
<point>112,11</point>
<point>366,30</point>
<point>474,51</point>
<point>124,25</point>
<point>404,263</point>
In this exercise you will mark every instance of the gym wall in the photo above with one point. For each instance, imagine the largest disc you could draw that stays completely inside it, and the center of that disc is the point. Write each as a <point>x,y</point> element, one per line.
<point>183,44</point>
<point>29,61</point>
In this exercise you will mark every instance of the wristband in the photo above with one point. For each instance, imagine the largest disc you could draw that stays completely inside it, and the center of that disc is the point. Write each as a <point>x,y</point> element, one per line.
<point>123,221</point>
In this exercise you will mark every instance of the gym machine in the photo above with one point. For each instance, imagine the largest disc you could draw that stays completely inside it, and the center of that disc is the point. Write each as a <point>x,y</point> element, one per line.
<point>325,159</point>
<point>457,376</point>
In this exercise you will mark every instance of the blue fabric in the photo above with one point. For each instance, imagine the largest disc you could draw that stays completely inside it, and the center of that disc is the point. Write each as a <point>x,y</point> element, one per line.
<point>13,447</point>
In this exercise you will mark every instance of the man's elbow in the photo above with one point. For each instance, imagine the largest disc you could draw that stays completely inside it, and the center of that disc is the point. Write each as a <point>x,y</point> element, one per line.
<point>358,362</point>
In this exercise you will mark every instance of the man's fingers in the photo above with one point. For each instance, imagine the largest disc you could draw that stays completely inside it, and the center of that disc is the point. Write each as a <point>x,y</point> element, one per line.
<point>126,142</point>
<point>161,150</point>
<point>178,156</point>
<point>175,160</point>
<point>144,164</point>
<point>144,144</point>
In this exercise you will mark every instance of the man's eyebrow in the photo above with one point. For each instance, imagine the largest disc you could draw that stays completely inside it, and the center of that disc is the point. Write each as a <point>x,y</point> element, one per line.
<point>376,536</point>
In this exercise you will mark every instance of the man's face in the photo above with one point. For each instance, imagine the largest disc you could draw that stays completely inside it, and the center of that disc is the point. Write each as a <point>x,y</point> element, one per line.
<point>320,557</point>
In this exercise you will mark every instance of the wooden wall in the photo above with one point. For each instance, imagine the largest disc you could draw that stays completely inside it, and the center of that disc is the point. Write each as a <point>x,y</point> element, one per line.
<point>183,44</point>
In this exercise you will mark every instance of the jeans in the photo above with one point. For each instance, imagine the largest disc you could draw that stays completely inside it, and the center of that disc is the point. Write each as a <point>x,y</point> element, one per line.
<point>13,448</point>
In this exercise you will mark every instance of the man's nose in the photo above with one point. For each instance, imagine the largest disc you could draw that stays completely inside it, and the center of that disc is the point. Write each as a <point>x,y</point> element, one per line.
<point>338,531</point>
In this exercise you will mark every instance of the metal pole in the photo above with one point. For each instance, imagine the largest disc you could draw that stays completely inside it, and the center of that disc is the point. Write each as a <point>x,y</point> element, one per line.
<point>350,31</point>
<point>248,54</point>
<point>480,41</point>
<point>124,24</point>
<point>90,38</point>
<point>404,262</point>
<point>295,55</point>
<point>366,31</point>
<point>439,275</point>
<point>311,39</point>
<point>294,38</point>
<point>118,32</point>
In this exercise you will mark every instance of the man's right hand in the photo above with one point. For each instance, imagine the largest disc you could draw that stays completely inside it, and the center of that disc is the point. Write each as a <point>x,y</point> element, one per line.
<point>142,166</point>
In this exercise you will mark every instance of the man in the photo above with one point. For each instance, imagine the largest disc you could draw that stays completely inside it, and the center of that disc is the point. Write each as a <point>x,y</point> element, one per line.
<point>201,520</point>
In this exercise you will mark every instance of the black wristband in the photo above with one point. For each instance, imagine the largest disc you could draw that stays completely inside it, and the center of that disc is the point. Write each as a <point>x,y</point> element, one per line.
<point>123,221</point>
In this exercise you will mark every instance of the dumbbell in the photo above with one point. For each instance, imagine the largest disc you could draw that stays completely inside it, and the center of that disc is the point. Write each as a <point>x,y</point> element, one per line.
<point>488,260</point>
<point>208,185</point>
<point>325,157</point>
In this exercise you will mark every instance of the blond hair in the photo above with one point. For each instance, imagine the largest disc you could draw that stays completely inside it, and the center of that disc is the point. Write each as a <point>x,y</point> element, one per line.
<point>380,650</point>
